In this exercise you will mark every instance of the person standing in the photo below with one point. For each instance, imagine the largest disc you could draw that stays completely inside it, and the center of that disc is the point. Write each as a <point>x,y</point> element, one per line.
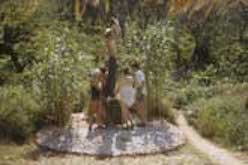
<point>96,111</point>
<point>126,96</point>
<point>111,35</point>
<point>140,85</point>
<point>111,65</point>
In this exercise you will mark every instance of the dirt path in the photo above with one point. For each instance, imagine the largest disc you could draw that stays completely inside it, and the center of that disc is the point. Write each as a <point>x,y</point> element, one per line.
<point>217,155</point>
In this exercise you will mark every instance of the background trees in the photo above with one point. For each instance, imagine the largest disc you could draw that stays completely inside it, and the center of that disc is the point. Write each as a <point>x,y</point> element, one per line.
<point>188,49</point>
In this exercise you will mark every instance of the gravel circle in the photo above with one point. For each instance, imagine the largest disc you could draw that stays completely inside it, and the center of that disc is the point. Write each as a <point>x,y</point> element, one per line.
<point>157,137</point>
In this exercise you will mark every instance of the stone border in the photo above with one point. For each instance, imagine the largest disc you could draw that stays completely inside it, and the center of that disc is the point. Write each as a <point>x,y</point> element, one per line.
<point>157,137</point>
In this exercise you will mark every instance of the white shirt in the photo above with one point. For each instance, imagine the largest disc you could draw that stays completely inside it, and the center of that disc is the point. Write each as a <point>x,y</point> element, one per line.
<point>140,79</point>
<point>127,92</point>
<point>139,76</point>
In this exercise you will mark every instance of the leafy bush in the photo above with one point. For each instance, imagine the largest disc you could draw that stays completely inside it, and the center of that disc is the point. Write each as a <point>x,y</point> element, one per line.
<point>228,48</point>
<point>59,79</point>
<point>222,118</point>
<point>160,108</point>
<point>187,92</point>
<point>179,100</point>
<point>18,113</point>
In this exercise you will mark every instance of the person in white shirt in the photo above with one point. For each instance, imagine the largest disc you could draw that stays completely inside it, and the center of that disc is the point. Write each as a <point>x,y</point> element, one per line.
<point>126,94</point>
<point>140,86</point>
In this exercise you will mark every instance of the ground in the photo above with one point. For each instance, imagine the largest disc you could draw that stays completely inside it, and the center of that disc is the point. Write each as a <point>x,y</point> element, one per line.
<point>158,136</point>
<point>12,154</point>
<point>217,154</point>
<point>198,151</point>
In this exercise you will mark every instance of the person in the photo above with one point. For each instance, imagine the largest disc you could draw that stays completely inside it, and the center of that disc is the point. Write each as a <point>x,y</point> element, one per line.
<point>111,65</point>
<point>140,86</point>
<point>102,96</point>
<point>111,36</point>
<point>116,28</point>
<point>103,78</point>
<point>96,107</point>
<point>126,96</point>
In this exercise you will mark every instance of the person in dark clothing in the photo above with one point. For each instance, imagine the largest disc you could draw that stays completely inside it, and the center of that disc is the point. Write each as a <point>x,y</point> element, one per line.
<point>95,93</point>
<point>111,65</point>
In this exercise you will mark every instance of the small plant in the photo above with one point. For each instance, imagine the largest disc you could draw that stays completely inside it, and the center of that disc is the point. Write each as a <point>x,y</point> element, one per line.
<point>160,108</point>
<point>222,118</point>
<point>60,78</point>
<point>18,113</point>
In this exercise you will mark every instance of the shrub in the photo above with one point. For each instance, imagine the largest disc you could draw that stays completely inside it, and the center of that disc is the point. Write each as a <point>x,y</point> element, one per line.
<point>188,93</point>
<point>179,100</point>
<point>18,113</point>
<point>59,80</point>
<point>222,118</point>
<point>160,108</point>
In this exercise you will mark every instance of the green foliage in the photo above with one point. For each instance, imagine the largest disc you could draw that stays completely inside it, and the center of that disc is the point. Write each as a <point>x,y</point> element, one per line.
<point>14,12</point>
<point>162,44</point>
<point>181,44</point>
<point>18,113</point>
<point>160,48</point>
<point>228,48</point>
<point>222,115</point>
<point>56,57</point>
<point>44,50</point>
<point>160,108</point>
<point>185,93</point>
<point>222,118</point>
<point>59,79</point>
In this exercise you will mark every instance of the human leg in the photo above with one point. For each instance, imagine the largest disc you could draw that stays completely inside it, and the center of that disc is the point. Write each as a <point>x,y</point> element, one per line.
<point>91,112</point>
<point>139,108</point>
<point>100,115</point>
<point>124,111</point>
